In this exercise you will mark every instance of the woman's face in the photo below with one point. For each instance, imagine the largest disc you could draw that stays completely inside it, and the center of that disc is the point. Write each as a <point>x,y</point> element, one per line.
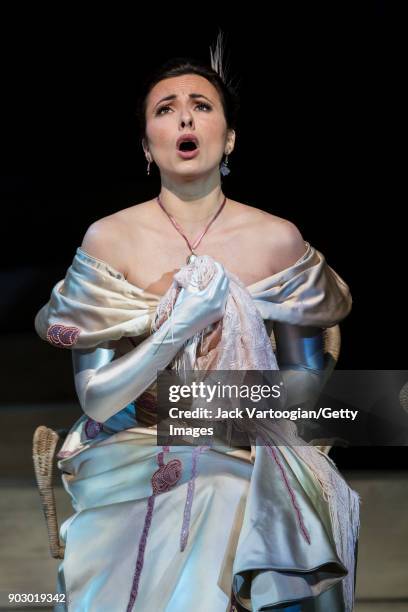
<point>194,108</point>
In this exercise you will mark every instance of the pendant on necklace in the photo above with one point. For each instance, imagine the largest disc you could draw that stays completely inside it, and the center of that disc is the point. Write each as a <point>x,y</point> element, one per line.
<point>191,258</point>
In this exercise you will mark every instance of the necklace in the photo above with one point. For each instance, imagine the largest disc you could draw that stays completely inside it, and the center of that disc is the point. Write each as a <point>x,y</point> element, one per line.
<point>197,241</point>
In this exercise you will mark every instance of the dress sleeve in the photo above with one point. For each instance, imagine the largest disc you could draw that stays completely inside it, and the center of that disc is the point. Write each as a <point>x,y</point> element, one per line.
<point>92,305</point>
<point>307,293</point>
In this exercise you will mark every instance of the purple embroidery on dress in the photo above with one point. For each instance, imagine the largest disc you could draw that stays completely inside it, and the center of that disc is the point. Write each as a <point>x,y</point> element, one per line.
<point>166,476</point>
<point>162,480</point>
<point>140,555</point>
<point>190,494</point>
<point>303,529</point>
<point>160,461</point>
<point>62,335</point>
<point>92,428</point>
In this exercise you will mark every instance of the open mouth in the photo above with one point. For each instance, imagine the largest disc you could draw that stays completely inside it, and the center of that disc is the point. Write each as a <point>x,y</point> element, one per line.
<point>187,145</point>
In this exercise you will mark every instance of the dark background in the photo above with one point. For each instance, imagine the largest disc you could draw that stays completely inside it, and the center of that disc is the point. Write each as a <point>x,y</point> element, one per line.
<point>316,144</point>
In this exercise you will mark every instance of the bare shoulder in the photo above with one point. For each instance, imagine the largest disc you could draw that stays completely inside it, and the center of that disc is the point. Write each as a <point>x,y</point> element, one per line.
<point>107,238</point>
<point>280,239</point>
<point>99,241</point>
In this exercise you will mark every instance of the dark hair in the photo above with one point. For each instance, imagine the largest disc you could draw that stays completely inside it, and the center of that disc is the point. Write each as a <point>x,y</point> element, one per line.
<point>186,65</point>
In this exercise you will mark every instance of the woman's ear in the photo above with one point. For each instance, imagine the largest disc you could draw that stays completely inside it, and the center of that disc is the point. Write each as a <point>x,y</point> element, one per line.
<point>230,144</point>
<point>146,150</point>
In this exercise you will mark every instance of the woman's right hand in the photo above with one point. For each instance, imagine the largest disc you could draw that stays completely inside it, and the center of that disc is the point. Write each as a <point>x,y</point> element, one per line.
<point>200,308</point>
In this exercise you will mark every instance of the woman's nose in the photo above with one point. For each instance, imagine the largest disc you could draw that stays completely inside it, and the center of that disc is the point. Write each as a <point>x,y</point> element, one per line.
<point>186,119</point>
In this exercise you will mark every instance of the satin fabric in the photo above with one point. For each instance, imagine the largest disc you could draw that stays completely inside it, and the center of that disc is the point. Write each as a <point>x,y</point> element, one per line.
<point>98,301</point>
<point>244,533</point>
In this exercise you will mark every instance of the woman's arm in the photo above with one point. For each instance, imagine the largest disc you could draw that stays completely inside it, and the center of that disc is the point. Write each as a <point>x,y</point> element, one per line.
<point>105,387</point>
<point>298,345</point>
<point>300,356</point>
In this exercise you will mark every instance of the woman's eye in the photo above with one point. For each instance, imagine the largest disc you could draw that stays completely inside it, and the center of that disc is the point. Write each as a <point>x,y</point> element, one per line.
<point>207,106</point>
<point>159,111</point>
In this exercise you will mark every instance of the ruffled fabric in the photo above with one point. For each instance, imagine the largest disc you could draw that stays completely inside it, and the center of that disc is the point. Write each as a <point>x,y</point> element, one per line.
<point>309,292</point>
<point>94,303</point>
<point>97,301</point>
<point>238,341</point>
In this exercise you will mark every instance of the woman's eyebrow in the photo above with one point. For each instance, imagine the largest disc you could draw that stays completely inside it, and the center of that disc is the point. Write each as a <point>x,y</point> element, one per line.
<point>193,96</point>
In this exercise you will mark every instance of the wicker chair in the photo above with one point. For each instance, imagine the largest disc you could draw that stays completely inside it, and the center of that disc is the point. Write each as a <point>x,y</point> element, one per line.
<point>45,442</point>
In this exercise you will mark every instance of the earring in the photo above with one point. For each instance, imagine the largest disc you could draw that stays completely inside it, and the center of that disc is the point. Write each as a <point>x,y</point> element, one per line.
<point>224,167</point>
<point>148,167</point>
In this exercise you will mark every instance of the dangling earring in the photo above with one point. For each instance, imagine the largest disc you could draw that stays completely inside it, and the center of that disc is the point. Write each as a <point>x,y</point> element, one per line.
<point>224,167</point>
<point>148,167</point>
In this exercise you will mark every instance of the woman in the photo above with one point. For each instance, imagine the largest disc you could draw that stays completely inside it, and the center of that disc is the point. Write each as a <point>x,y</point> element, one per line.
<point>181,528</point>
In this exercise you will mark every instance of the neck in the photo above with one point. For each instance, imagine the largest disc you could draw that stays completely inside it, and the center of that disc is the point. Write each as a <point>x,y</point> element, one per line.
<point>191,203</point>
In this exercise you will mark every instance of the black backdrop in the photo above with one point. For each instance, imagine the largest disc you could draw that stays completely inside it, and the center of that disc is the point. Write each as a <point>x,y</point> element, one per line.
<point>314,145</point>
